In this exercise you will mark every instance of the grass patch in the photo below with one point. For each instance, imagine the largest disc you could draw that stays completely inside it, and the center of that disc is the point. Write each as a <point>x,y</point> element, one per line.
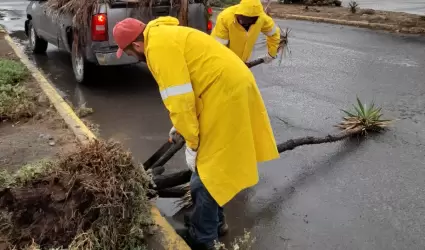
<point>84,111</point>
<point>12,72</point>
<point>24,174</point>
<point>15,100</point>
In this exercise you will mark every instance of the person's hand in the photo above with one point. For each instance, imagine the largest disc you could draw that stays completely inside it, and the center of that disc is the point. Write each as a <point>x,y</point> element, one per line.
<point>268,59</point>
<point>191,158</point>
<point>173,134</point>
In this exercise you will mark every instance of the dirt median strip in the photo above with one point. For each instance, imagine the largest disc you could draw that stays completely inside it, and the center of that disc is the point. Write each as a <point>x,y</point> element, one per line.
<point>365,18</point>
<point>336,21</point>
<point>165,237</point>
<point>361,24</point>
<point>81,131</point>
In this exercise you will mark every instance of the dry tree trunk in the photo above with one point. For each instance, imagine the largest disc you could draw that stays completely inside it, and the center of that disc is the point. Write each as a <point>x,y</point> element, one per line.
<point>183,14</point>
<point>311,140</point>
<point>171,180</point>
<point>176,192</point>
<point>163,182</point>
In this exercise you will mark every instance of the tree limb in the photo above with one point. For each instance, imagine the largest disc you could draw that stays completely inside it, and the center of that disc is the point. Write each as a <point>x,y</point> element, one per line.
<point>182,177</point>
<point>311,140</point>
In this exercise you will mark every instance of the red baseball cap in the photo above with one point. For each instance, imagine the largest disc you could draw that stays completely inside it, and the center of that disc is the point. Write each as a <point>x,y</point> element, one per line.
<point>125,32</point>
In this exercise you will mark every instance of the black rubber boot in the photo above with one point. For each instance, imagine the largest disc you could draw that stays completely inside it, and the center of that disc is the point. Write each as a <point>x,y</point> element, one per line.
<point>184,233</point>
<point>223,228</point>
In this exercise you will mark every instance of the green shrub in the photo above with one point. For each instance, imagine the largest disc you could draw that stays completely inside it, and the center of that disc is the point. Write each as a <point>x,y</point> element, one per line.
<point>12,72</point>
<point>15,100</point>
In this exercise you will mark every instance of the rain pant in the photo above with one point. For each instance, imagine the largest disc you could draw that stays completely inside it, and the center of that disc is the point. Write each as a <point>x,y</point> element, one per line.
<point>229,32</point>
<point>219,112</point>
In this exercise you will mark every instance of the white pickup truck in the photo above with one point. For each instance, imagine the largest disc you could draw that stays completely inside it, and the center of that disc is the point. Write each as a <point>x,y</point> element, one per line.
<point>100,48</point>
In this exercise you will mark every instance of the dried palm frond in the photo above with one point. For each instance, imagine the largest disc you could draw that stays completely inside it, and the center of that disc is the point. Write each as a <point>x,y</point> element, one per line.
<point>82,11</point>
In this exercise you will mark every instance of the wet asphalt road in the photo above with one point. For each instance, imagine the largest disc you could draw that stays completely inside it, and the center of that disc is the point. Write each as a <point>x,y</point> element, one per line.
<point>349,195</point>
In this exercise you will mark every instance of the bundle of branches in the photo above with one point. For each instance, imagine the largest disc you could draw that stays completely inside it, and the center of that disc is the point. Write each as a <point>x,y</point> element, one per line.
<point>82,11</point>
<point>95,198</point>
<point>363,119</point>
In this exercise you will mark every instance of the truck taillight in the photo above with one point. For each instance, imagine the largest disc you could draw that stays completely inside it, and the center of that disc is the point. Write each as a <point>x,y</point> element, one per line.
<point>210,11</point>
<point>209,25</point>
<point>99,27</point>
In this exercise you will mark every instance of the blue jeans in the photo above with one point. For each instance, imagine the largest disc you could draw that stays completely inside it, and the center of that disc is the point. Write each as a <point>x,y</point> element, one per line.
<point>206,215</point>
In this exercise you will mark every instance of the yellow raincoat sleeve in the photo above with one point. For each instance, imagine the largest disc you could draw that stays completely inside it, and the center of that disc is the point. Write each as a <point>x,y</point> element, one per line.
<point>169,68</point>
<point>273,35</point>
<point>220,31</point>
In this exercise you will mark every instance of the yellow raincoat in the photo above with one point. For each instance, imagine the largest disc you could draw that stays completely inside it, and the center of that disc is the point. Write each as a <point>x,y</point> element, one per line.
<point>214,103</point>
<point>229,32</point>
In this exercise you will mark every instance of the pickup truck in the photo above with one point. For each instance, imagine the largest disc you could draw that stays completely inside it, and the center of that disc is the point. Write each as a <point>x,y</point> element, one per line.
<point>100,48</point>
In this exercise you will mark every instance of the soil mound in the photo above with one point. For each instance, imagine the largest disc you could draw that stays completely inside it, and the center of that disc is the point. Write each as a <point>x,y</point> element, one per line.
<point>95,198</point>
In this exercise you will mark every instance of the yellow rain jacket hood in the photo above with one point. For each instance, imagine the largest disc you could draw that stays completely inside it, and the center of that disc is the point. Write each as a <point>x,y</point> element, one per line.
<point>218,112</point>
<point>249,8</point>
<point>162,21</point>
<point>229,32</point>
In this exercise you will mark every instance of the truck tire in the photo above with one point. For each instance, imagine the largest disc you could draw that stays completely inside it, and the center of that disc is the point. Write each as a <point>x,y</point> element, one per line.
<point>37,44</point>
<point>81,67</point>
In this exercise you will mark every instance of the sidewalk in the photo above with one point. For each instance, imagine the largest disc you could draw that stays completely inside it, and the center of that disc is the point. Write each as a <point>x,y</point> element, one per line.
<point>38,130</point>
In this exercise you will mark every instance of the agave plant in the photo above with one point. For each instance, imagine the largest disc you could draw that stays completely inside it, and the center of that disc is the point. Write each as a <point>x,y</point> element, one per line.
<point>358,121</point>
<point>364,118</point>
<point>353,6</point>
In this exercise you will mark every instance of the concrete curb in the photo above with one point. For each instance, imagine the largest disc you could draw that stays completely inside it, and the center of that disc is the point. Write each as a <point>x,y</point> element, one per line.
<point>169,238</point>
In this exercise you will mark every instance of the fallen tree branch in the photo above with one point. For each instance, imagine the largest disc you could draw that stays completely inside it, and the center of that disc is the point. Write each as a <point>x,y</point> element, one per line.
<point>311,140</point>
<point>175,192</point>
<point>364,118</point>
<point>172,180</point>
<point>182,177</point>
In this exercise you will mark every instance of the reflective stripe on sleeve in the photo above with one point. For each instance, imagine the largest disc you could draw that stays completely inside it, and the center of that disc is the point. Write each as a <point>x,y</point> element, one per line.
<point>272,32</point>
<point>176,90</point>
<point>222,41</point>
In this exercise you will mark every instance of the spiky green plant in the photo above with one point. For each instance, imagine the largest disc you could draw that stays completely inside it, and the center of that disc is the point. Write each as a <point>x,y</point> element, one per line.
<point>364,118</point>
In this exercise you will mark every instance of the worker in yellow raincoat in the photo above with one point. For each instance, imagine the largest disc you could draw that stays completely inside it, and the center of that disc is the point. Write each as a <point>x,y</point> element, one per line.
<point>220,114</point>
<point>239,26</point>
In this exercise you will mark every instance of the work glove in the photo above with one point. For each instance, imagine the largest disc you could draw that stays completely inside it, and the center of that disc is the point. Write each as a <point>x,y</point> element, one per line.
<point>268,58</point>
<point>191,158</point>
<point>173,134</point>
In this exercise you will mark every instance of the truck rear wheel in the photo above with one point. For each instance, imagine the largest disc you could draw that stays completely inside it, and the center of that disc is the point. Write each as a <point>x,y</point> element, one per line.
<point>82,69</point>
<point>38,45</point>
